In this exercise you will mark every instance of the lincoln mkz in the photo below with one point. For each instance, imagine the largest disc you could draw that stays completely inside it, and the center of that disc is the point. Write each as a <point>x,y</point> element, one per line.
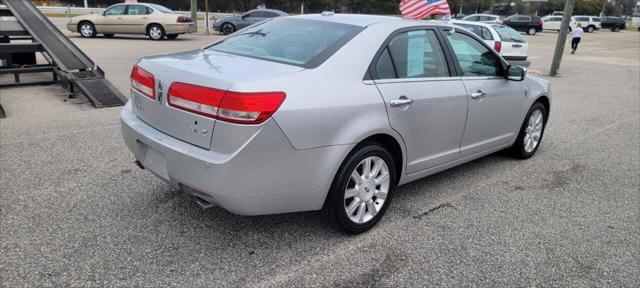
<point>328,112</point>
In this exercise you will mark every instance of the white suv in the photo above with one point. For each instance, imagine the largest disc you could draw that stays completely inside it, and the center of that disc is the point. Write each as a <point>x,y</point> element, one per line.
<point>486,18</point>
<point>589,23</point>
<point>554,22</point>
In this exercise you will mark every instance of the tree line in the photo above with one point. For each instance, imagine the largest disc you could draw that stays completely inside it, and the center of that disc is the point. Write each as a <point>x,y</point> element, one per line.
<point>503,7</point>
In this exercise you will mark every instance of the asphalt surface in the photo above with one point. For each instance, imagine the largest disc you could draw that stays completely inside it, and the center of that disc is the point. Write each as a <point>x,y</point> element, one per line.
<point>75,211</point>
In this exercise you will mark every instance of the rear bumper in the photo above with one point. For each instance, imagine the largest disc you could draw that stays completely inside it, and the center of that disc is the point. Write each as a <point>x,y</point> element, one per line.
<point>517,60</point>
<point>180,28</point>
<point>265,176</point>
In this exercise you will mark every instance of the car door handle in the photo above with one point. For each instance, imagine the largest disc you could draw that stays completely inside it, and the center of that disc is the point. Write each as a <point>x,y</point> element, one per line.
<point>402,101</point>
<point>478,95</point>
<point>516,45</point>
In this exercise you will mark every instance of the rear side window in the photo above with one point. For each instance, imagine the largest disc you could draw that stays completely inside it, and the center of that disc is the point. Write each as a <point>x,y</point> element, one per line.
<point>482,32</point>
<point>596,19</point>
<point>300,42</point>
<point>414,54</point>
<point>507,34</point>
<point>137,10</point>
<point>269,14</point>
<point>523,19</point>
<point>474,58</point>
<point>384,67</point>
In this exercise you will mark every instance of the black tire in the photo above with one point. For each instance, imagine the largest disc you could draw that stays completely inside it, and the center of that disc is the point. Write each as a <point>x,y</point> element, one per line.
<point>591,28</point>
<point>172,36</point>
<point>531,31</point>
<point>154,34</point>
<point>227,28</point>
<point>335,203</point>
<point>86,29</point>
<point>518,148</point>
<point>108,35</point>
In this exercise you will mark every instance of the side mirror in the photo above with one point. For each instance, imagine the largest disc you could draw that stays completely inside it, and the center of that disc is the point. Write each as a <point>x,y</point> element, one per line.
<point>516,73</point>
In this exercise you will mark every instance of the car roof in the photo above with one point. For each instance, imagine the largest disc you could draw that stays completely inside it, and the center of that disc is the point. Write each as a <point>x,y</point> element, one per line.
<point>270,10</point>
<point>481,14</point>
<point>364,20</point>
<point>471,23</point>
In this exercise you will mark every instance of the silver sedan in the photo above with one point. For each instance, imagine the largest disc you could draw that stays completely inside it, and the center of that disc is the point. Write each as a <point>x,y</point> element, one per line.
<point>328,112</point>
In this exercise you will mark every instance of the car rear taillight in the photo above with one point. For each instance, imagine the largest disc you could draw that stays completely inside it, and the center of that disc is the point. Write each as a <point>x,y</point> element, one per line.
<point>184,19</point>
<point>235,107</point>
<point>143,82</point>
<point>497,46</point>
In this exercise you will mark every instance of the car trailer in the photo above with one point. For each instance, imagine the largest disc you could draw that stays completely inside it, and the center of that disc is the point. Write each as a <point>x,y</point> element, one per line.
<point>68,65</point>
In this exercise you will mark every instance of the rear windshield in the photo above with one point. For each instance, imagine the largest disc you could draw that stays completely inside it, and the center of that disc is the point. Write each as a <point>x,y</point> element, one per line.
<point>300,42</point>
<point>160,8</point>
<point>507,34</point>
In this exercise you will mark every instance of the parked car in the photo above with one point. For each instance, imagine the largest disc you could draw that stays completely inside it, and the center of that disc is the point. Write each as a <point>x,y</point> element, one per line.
<point>489,18</point>
<point>615,24</point>
<point>157,22</point>
<point>230,24</point>
<point>589,23</point>
<point>554,22</point>
<point>300,113</point>
<point>523,23</point>
<point>512,46</point>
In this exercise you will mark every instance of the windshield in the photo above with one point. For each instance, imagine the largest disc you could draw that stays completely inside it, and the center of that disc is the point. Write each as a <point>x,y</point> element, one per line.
<point>160,8</point>
<point>305,43</point>
<point>507,34</point>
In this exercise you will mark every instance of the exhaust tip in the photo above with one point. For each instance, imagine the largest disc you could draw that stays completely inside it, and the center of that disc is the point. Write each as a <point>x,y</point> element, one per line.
<point>204,204</point>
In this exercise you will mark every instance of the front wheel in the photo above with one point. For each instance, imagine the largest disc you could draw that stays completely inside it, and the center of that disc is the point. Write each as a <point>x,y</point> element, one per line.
<point>531,132</point>
<point>227,28</point>
<point>590,29</point>
<point>362,189</point>
<point>156,32</point>
<point>532,31</point>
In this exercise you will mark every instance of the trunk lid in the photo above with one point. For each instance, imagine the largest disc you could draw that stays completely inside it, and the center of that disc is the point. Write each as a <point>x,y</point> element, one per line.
<point>202,68</point>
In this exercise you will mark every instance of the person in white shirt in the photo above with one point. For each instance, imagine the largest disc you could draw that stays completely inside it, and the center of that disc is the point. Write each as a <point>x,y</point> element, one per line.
<point>576,35</point>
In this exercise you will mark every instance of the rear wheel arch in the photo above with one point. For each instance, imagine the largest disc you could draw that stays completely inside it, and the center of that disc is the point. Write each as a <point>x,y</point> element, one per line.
<point>146,29</point>
<point>391,144</point>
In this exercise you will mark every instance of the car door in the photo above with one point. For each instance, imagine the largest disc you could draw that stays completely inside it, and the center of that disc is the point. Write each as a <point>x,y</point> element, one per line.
<point>426,105</point>
<point>552,23</point>
<point>111,20</point>
<point>495,104</point>
<point>135,19</point>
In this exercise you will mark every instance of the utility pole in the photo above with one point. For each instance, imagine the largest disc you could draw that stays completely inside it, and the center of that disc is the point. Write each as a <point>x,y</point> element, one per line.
<point>562,37</point>
<point>461,4</point>
<point>86,5</point>
<point>206,17</point>
<point>302,8</point>
<point>493,3</point>
<point>604,7</point>
<point>194,12</point>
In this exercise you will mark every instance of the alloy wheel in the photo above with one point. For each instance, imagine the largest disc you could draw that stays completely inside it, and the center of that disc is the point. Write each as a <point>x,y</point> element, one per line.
<point>155,32</point>
<point>86,30</point>
<point>533,132</point>
<point>367,189</point>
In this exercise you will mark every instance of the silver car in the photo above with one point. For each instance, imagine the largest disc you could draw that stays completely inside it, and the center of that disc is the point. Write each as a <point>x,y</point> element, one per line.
<point>327,111</point>
<point>230,24</point>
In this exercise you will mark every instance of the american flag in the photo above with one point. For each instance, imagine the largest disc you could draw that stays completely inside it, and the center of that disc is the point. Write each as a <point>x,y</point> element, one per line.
<point>418,9</point>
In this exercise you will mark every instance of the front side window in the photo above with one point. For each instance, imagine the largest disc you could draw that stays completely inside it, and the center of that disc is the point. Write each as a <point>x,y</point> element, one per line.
<point>269,14</point>
<point>474,58</point>
<point>300,42</point>
<point>417,54</point>
<point>115,10</point>
<point>137,10</point>
<point>253,14</point>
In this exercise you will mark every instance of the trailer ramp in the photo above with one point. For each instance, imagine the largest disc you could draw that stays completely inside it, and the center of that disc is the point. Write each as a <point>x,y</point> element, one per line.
<point>69,62</point>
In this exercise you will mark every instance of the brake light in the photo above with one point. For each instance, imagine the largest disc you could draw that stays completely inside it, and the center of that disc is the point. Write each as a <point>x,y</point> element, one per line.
<point>143,82</point>
<point>235,107</point>
<point>184,19</point>
<point>497,46</point>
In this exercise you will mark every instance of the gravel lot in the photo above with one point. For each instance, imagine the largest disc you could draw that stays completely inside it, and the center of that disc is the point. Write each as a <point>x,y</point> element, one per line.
<point>75,211</point>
